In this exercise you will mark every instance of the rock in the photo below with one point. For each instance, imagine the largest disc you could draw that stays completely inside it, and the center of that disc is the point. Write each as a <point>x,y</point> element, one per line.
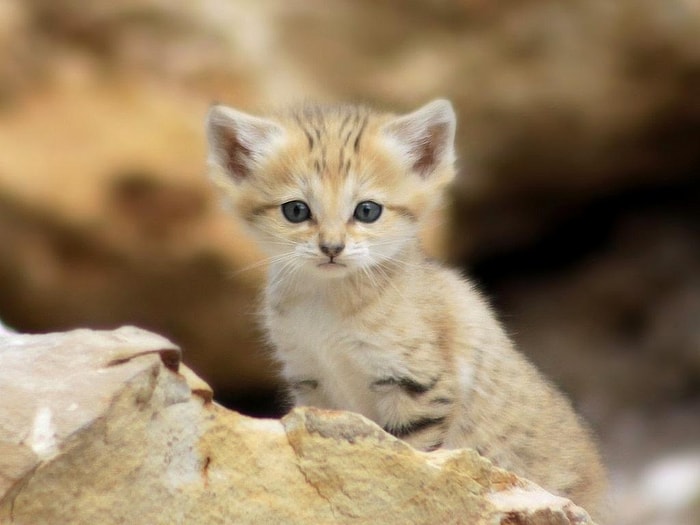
<point>4,330</point>
<point>666,490</point>
<point>104,427</point>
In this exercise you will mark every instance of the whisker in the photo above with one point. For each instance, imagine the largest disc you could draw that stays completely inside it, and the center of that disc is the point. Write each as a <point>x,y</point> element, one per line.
<point>258,264</point>
<point>284,277</point>
<point>383,270</point>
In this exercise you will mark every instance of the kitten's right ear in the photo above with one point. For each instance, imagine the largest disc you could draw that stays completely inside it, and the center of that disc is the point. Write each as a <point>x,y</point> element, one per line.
<point>238,141</point>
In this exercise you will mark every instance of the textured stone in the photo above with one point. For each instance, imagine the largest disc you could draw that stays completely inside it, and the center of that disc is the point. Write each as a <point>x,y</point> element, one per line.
<point>101,427</point>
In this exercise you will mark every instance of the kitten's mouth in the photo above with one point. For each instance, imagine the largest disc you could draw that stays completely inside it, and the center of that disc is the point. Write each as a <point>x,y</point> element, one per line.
<point>331,264</point>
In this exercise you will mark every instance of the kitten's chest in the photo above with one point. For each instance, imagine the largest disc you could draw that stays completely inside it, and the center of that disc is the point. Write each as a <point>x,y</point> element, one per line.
<point>318,345</point>
<point>299,322</point>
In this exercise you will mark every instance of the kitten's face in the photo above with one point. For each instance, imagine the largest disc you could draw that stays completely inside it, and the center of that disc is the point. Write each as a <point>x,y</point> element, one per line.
<point>331,192</point>
<point>331,221</point>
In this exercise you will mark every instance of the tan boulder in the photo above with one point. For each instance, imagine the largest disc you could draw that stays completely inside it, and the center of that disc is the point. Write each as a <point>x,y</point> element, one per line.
<point>108,427</point>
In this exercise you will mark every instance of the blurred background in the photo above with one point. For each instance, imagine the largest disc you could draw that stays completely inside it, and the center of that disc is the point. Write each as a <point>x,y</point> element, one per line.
<point>577,208</point>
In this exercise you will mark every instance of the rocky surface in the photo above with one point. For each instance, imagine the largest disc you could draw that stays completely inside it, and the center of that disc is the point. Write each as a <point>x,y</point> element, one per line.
<point>108,427</point>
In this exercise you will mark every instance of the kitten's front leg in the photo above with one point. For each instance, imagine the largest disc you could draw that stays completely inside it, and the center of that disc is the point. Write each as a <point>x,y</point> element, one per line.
<point>306,391</point>
<point>415,409</point>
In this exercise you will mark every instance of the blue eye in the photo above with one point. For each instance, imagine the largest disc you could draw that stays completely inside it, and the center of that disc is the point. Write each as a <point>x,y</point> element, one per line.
<point>367,211</point>
<point>296,211</point>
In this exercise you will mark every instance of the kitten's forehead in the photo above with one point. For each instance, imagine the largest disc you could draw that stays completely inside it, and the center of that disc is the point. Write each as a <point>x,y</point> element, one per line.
<point>322,121</point>
<point>334,143</point>
<point>333,135</point>
<point>334,157</point>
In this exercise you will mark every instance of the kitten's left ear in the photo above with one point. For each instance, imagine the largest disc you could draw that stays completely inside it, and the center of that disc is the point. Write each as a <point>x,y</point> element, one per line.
<point>238,141</point>
<point>425,137</point>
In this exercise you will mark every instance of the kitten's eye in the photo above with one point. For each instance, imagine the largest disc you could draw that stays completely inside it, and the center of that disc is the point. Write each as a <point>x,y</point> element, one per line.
<point>367,211</point>
<point>296,211</point>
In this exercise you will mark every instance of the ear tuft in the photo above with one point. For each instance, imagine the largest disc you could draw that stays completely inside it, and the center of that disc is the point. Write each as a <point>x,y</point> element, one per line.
<point>238,141</point>
<point>426,136</point>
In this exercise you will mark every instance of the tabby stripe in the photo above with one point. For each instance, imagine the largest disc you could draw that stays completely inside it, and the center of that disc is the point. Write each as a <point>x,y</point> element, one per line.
<point>260,210</point>
<point>309,138</point>
<point>402,210</point>
<point>356,146</point>
<point>343,124</point>
<point>406,429</point>
<point>433,447</point>
<point>411,386</point>
<point>323,157</point>
<point>311,384</point>
<point>306,132</point>
<point>347,137</point>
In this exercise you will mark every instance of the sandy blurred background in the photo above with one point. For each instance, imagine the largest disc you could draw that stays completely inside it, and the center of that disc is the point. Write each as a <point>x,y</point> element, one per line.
<point>577,207</point>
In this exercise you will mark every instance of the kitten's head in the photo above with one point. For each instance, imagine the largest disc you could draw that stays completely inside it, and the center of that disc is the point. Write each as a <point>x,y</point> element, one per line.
<point>333,190</point>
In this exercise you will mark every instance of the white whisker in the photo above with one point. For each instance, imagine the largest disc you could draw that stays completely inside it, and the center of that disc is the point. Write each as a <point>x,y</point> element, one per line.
<point>262,262</point>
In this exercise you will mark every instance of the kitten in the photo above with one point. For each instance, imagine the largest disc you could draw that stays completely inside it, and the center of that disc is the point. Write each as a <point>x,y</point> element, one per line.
<point>359,318</point>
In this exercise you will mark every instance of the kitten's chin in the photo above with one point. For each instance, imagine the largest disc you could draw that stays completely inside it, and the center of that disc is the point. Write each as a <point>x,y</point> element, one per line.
<point>330,270</point>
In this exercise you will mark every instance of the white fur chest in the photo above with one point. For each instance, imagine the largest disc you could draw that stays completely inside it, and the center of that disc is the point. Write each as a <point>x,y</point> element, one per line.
<point>315,343</point>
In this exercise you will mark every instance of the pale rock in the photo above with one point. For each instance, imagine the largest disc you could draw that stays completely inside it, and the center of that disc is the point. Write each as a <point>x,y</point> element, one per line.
<point>4,330</point>
<point>665,491</point>
<point>112,97</point>
<point>108,427</point>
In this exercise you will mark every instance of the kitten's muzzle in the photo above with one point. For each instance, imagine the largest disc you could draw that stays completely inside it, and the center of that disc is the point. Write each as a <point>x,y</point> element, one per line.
<point>331,250</point>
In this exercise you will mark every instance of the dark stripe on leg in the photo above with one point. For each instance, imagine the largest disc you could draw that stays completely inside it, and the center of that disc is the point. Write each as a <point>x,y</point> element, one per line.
<point>305,384</point>
<point>407,384</point>
<point>434,446</point>
<point>411,427</point>
<point>441,401</point>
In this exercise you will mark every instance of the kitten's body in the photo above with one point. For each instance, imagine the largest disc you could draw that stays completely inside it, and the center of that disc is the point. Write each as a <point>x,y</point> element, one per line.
<point>360,319</point>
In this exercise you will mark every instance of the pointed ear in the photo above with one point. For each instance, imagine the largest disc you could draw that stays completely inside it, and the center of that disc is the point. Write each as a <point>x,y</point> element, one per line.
<point>238,141</point>
<point>425,137</point>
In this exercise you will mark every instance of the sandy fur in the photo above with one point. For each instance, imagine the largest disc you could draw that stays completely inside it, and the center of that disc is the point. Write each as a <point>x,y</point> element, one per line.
<point>393,335</point>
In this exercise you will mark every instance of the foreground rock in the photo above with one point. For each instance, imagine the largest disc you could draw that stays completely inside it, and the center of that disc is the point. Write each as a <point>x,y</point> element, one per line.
<point>107,427</point>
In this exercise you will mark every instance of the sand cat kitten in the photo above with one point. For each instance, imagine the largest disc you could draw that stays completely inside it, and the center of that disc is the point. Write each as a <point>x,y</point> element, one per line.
<point>358,316</point>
